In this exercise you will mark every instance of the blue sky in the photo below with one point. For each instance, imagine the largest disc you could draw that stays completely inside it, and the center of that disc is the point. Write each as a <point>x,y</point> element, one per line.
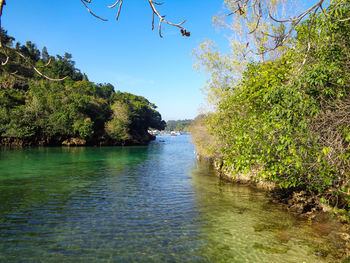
<point>126,53</point>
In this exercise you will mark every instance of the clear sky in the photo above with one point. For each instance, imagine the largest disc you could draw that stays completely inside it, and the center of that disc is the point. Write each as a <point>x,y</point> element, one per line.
<point>125,53</point>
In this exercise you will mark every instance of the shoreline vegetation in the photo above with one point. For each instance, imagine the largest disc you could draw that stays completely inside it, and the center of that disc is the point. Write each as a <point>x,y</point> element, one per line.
<point>284,124</point>
<point>286,120</point>
<point>39,112</point>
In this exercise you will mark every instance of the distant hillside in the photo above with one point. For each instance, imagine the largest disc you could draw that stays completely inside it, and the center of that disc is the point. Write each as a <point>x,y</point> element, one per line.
<point>75,111</point>
<point>179,125</point>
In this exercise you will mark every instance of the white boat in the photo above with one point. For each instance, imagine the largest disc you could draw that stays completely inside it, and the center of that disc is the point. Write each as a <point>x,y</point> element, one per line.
<point>175,133</point>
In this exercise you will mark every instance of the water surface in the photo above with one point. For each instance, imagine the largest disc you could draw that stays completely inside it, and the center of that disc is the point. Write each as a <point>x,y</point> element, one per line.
<point>140,204</point>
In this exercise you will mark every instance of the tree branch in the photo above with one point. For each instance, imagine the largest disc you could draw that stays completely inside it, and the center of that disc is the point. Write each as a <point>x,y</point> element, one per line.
<point>161,20</point>
<point>152,4</point>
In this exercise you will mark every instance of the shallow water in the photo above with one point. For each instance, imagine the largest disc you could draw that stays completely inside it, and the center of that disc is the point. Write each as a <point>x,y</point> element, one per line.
<point>140,204</point>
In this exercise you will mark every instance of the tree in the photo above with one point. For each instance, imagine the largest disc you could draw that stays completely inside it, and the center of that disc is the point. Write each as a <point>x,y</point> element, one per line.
<point>36,111</point>
<point>142,113</point>
<point>118,127</point>
<point>286,119</point>
<point>45,55</point>
<point>261,27</point>
<point>259,30</point>
<point>179,125</point>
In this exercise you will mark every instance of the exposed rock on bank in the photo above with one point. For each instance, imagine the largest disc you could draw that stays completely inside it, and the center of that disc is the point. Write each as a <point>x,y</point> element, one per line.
<point>64,141</point>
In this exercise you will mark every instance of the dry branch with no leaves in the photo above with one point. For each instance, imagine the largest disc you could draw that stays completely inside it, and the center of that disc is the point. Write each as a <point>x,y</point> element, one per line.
<point>6,49</point>
<point>267,27</point>
<point>119,4</point>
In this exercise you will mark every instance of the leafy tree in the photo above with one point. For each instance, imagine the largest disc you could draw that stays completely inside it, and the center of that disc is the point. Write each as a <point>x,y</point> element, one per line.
<point>40,111</point>
<point>285,119</point>
<point>143,114</point>
<point>45,55</point>
<point>6,39</point>
<point>118,127</point>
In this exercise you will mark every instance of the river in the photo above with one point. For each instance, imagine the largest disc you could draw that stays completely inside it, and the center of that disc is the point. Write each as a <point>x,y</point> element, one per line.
<point>140,204</point>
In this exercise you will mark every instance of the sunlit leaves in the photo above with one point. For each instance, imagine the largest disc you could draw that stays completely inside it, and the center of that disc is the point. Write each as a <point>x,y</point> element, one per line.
<point>287,118</point>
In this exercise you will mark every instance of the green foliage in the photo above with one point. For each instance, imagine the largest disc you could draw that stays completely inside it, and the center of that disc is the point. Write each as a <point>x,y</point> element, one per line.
<point>257,120</point>
<point>207,143</point>
<point>84,128</point>
<point>179,125</point>
<point>143,114</point>
<point>118,127</point>
<point>288,117</point>
<point>41,110</point>
<point>60,67</point>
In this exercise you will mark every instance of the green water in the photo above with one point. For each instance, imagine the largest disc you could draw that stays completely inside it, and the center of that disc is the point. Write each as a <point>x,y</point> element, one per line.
<point>140,204</point>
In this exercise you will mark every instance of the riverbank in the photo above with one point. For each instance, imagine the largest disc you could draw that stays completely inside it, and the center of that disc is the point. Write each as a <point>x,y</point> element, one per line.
<point>136,140</point>
<point>143,204</point>
<point>286,119</point>
<point>304,204</point>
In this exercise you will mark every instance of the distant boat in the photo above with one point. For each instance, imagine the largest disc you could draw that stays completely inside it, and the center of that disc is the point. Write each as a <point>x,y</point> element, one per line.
<point>175,133</point>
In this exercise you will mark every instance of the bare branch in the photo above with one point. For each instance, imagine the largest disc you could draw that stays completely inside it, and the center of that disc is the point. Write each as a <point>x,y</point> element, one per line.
<point>2,3</point>
<point>35,69</point>
<point>48,63</point>
<point>258,22</point>
<point>88,9</point>
<point>266,32</point>
<point>46,77</point>
<point>114,5</point>
<point>343,20</point>
<point>155,12</point>
<point>309,42</point>
<point>161,19</point>
<point>118,3</point>
<point>119,8</point>
<point>6,61</point>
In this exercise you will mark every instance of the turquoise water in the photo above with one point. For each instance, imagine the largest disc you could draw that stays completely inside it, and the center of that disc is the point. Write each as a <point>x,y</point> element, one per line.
<point>140,204</point>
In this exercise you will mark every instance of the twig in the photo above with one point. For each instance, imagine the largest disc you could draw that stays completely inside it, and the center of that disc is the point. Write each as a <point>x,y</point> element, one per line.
<point>88,9</point>
<point>119,8</point>
<point>161,19</point>
<point>155,12</point>
<point>48,63</point>
<point>36,70</point>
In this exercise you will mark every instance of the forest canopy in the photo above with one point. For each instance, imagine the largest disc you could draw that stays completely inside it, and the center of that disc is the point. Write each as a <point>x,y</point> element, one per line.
<point>36,111</point>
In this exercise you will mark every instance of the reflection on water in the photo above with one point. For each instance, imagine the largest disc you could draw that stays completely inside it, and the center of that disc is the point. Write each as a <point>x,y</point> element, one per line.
<point>138,204</point>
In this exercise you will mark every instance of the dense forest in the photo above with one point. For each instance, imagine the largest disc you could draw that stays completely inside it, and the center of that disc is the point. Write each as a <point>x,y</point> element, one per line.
<point>286,118</point>
<point>178,125</point>
<point>74,111</point>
